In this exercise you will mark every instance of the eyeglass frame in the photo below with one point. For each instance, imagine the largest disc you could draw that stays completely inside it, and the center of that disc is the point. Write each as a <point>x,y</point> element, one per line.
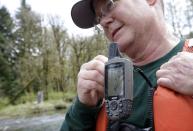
<point>105,9</point>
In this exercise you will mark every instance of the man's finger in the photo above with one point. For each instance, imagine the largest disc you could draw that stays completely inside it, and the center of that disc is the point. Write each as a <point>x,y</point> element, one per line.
<point>163,73</point>
<point>101,58</point>
<point>94,65</point>
<point>166,82</point>
<point>89,85</point>
<point>93,75</point>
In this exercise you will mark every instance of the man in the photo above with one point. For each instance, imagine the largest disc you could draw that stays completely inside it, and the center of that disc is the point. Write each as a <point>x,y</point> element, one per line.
<point>139,29</point>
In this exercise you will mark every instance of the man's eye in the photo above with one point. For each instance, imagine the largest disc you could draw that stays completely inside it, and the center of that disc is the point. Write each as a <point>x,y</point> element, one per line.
<point>109,6</point>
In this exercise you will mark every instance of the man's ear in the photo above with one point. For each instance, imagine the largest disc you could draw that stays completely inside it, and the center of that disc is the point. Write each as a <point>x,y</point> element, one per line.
<point>151,2</point>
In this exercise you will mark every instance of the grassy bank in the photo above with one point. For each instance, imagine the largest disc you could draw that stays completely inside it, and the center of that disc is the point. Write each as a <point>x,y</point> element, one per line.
<point>28,106</point>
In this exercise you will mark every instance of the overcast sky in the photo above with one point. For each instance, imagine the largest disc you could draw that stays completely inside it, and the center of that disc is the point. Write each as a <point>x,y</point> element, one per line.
<point>61,8</point>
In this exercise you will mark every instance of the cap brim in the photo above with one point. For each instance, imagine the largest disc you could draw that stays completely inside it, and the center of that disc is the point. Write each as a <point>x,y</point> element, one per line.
<point>83,15</point>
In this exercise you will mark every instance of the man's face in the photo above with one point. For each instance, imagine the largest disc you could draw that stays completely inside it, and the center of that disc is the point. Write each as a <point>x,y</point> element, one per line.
<point>124,21</point>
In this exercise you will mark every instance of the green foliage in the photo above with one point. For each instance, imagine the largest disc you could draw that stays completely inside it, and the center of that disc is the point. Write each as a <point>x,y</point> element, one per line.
<point>6,25</point>
<point>28,40</point>
<point>8,82</point>
<point>27,109</point>
<point>27,105</point>
<point>3,102</point>
<point>26,98</point>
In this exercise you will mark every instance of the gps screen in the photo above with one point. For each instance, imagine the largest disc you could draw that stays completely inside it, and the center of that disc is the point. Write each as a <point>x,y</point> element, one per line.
<point>115,79</point>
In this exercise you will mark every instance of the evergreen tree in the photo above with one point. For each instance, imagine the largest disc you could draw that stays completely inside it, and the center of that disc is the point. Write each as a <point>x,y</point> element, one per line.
<point>8,73</point>
<point>28,40</point>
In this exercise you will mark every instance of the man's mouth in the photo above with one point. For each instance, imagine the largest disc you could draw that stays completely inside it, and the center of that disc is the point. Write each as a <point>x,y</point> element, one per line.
<point>115,32</point>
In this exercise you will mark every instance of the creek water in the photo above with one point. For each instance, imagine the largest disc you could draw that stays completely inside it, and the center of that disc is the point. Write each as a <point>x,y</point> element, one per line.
<point>36,123</point>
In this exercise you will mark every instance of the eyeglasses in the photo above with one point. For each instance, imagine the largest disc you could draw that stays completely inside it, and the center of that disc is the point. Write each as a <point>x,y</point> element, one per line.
<point>107,7</point>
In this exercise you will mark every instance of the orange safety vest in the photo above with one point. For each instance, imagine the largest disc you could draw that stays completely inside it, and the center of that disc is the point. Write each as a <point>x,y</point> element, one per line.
<point>172,111</point>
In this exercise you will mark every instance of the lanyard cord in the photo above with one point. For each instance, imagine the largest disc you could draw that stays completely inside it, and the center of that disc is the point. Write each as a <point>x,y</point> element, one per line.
<point>151,91</point>
<point>140,71</point>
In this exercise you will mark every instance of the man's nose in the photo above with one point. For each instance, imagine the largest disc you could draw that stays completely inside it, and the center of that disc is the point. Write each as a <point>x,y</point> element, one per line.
<point>106,20</point>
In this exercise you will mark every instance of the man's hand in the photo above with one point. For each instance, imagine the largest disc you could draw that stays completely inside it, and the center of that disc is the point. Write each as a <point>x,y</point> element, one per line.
<point>177,73</point>
<point>90,85</point>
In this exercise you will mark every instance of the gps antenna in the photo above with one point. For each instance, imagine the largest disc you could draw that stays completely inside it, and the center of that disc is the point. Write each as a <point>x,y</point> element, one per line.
<point>114,51</point>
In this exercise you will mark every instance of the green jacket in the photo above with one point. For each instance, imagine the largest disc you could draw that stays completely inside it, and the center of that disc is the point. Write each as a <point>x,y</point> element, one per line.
<point>79,117</point>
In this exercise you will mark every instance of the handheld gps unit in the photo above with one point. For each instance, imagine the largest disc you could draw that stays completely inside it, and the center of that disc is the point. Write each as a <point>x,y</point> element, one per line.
<point>118,85</point>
